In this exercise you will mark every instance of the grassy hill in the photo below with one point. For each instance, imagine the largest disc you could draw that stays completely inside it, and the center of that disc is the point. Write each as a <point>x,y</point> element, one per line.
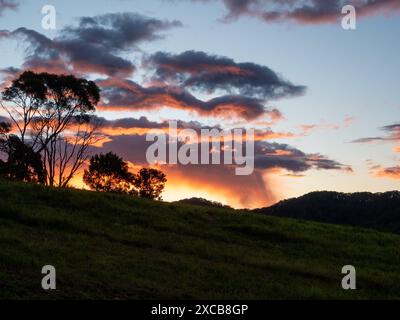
<point>115,247</point>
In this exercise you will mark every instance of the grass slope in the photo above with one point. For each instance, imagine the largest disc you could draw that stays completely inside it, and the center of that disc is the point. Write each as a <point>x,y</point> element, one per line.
<point>115,247</point>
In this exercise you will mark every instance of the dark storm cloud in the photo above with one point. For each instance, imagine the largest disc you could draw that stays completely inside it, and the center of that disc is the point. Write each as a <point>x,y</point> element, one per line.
<point>94,45</point>
<point>304,11</point>
<point>142,125</point>
<point>145,123</point>
<point>275,155</point>
<point>128,123</point>
<point>244,87</point>
<point>128,95</point>
<point>205,72</point>
<point>97,45</point>
<point>118,32</point>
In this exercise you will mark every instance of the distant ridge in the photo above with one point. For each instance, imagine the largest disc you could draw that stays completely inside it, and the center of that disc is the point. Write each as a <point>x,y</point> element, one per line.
<point>371,210</point>
<point>203,203</point>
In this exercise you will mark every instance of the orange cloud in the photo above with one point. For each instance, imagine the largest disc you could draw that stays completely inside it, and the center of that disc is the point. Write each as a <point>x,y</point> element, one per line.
<point>282,153</point>
<point>143,126</point>
<point>218,184</point>
<point>391,172</point>
<point>307,128</point>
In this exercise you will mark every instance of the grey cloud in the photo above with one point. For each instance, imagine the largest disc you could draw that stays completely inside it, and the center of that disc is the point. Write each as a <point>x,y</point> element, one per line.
<point>275,155</point>
<point>392,135</point>
<point>94,46</point>
<point>202,71</point>
<point>8,5</point>
<point>303,11</point>
<point>131,96</point>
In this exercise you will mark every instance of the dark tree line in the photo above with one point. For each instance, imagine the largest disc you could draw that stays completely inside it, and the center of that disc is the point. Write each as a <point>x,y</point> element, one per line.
<point>372,210</point>
<point>50,131</point>
<point>109,173</point>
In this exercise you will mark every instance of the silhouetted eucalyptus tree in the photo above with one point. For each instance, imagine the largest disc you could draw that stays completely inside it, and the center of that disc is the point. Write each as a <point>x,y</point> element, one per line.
<point>150,183</point>
<point>51,113</point>
<point>109,173</point>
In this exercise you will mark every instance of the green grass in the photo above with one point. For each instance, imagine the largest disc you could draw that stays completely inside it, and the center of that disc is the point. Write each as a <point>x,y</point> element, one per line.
<point>107,246</point>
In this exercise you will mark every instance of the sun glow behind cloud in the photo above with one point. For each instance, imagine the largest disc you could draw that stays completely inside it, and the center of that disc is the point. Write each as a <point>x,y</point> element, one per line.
<point>179,186</point>
<point>175,191</point>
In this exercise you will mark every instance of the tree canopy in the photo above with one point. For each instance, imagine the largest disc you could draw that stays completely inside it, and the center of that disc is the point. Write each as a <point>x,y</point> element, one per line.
<point>51,114</point>
<point>150,183</point>
<point>109,173</point>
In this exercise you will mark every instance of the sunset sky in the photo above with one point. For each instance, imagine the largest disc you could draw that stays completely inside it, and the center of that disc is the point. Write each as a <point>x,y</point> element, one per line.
<point>325,101</point>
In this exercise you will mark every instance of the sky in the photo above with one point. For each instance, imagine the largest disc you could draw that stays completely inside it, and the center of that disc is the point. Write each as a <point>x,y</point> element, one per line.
<point>324,100</point>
